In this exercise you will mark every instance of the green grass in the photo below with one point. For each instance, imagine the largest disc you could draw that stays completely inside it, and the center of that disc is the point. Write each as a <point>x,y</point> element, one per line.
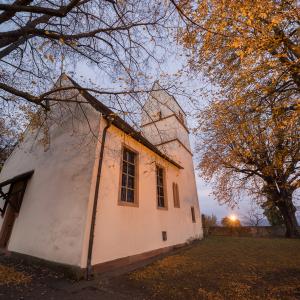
<point>224,268</point>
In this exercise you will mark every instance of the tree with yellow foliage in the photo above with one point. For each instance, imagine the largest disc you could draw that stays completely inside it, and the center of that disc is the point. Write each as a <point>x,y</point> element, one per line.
<point>249,136</point>
<point>257,151</point>
<point>248,48</point>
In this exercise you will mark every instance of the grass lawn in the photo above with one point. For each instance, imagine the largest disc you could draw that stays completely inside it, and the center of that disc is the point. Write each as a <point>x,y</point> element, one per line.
<point>224,268</point>
<point>215,268</point>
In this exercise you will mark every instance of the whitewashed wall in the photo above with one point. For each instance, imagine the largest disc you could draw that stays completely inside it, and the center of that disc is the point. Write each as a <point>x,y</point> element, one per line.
<point>52,218</point>
<point>55,217</point>
<point>166,130</point>
<point>160,101</point>
<point>124,231</point>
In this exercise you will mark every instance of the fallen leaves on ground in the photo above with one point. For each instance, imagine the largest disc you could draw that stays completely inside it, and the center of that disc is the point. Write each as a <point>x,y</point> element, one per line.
<point>225,268</point>
<point>8,275</point>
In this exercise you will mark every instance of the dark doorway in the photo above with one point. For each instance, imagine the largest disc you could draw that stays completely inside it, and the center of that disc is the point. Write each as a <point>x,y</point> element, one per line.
<point>12,205</point>
<point>7,226</point>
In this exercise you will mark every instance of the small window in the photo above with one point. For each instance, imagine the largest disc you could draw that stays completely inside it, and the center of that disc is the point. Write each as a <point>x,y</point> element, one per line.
<point>164,236</point>
<point>160,187</point>
<point>176,195</point>
<point>128,184</point>
<point>193,214</point>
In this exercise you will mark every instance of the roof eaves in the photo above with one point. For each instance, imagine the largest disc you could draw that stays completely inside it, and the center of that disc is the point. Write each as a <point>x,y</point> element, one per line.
<point>121,124</point>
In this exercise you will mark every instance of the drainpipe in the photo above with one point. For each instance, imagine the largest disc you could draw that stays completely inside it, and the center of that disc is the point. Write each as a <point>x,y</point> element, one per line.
<point>93,221</point>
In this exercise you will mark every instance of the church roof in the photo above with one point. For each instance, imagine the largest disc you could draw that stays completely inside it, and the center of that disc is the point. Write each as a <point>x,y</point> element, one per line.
<point>122,124</point>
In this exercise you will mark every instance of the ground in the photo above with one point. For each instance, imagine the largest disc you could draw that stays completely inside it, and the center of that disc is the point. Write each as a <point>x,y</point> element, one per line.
<point>216,268</point>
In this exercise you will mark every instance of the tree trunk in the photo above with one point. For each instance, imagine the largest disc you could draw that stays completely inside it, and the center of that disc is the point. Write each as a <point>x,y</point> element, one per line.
<point>288,211</point>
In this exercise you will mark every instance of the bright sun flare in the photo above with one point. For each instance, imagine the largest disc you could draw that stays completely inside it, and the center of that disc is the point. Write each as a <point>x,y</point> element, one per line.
<point>232,218</point>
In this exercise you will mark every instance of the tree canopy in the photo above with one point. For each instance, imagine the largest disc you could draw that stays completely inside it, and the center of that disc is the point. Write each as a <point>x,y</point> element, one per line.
<point>248,48</point>
<point>256,151</point>
<point>249,134</point>
<point>118,40</point>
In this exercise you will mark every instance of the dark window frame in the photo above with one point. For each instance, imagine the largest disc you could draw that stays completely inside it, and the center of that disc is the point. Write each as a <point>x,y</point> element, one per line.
<point>128,173</point>
<point>161,187</point>
<point>176,198</point>
<point>193,214</point>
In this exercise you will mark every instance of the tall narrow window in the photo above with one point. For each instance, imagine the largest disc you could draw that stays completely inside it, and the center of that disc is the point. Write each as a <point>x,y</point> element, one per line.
<point>176,195</point>
<point>193,214</point>
<point>160,187</point>
<point>128,185</point>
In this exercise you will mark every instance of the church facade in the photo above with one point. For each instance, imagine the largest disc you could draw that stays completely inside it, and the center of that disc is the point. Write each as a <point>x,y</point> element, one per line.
<point>101,194</point>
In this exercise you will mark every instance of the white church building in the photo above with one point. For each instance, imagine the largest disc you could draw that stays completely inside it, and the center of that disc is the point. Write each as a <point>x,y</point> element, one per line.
<point>101,194</point>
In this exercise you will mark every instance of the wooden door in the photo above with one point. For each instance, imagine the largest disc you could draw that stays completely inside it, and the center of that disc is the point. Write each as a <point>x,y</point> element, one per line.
<point>7,226</point>
<point>15,200</point>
